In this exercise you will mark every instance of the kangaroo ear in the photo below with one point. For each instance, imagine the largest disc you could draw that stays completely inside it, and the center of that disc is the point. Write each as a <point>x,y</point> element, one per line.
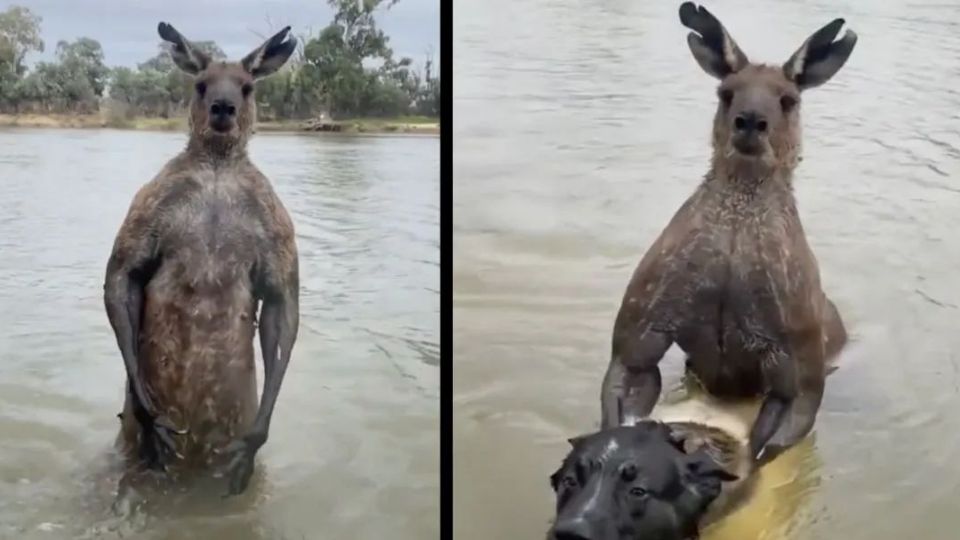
<point>184,54</point>
<point>271,56</point>
<point>716,52</point>
<point>820,57</point>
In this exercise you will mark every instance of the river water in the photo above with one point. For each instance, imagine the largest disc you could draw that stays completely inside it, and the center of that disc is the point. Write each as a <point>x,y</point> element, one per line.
<point>581,126</point>
<point>353,448</point>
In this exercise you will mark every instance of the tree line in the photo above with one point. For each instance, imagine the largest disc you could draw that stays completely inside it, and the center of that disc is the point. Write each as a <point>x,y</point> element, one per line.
<point>347,70</point>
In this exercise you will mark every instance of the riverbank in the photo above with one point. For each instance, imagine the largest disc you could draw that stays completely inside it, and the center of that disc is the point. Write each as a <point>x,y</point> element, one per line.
<point>418,125</point>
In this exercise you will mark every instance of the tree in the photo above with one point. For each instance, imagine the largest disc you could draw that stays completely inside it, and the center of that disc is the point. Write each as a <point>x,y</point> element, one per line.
<point>19,35</point>
<point>83,59</point>
<point>339,52</point>
<point>43,88</point>
<point>348,69</point>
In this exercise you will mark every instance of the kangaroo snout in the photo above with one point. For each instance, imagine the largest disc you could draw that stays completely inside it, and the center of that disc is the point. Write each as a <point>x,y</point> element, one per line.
<point>750,128</point>
<point>222,115</point>
<point>749,121</point>
<point>222,107</point>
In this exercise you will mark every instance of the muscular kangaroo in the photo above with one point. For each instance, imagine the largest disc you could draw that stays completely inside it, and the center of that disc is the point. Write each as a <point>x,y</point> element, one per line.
<point>203,244</point>
<point>732,280</point>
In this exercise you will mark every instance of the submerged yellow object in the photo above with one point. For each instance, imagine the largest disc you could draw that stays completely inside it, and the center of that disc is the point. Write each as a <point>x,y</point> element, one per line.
<point>778,491</point>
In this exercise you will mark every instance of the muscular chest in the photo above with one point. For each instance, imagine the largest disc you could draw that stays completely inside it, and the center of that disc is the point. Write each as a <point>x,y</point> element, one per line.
<point>741,254</point>
<point>213,212</point>
<point>211,231</point>
<point>746,237</point>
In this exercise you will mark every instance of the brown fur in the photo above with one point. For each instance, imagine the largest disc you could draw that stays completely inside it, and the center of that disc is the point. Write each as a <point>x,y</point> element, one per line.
<point>217,223</point>
<point>731,453</point>
<point>207,240</point>
<point>200,132</point>
<point>732,279</point>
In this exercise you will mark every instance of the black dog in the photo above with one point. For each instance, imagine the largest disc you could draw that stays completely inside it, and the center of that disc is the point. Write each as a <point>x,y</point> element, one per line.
<point>650,481</point>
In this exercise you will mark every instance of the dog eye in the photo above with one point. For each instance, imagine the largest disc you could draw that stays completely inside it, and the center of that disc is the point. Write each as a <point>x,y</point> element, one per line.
<point>637,491</point>
<point>569,482</point>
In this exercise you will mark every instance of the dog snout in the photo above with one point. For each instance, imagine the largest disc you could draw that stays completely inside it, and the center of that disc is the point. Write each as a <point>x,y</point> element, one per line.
<point>577,528</point>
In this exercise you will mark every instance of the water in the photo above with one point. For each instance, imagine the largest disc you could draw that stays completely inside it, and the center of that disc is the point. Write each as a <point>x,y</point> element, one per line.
<point>581,126</point>
<point>353,450</point>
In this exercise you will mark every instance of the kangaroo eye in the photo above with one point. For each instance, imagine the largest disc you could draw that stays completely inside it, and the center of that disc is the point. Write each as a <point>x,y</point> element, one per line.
<point>201,87</point>
<point>726,97</point>
<point>787,103</point>
<point>246,89</point>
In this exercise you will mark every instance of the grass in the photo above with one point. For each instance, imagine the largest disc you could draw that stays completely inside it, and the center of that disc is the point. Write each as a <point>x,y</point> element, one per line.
<point>404,124</point>
<point>401,124</point>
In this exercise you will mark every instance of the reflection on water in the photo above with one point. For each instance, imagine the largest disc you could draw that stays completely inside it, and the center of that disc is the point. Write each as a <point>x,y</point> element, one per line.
<point>355,431</point>
<point>581,127</point>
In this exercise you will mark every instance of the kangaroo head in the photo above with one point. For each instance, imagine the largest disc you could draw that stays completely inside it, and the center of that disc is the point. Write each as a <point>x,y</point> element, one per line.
<point>757,124</point>
<point>222,108</point>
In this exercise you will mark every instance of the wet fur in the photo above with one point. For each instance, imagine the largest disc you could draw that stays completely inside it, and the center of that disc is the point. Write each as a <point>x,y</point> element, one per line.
<point>731,279</point>
<point>208,242</point>
<point>724,438</point>
<point>693,426</point>
<point>218,225</point>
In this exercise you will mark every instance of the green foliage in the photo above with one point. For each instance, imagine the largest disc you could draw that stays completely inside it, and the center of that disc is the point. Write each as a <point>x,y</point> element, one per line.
<point>19,34</point>
<point>340,54</point>
<point>83,60</point>
<point>347,70</point>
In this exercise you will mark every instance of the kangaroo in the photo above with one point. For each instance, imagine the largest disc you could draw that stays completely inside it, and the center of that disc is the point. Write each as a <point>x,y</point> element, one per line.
<point>203,244</point>
<point>732,280</point>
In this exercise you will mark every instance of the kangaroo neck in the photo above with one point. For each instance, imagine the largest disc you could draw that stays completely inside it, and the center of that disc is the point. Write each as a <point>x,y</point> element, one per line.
<point>748,174</point>
<point>215,152</point>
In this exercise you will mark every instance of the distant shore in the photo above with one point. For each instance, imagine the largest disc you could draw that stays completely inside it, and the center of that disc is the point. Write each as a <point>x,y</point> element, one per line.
<point>413,125</point>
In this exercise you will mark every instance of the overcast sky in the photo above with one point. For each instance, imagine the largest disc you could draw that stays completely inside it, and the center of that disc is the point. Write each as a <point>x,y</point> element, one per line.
<point>127,29</point>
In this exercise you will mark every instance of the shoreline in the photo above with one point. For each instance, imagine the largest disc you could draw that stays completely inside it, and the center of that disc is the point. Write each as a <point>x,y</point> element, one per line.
<point>99,121</point>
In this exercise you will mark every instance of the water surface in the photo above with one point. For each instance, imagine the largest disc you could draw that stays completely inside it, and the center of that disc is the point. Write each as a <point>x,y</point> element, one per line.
<point>353,443</point>
<point>581,126</point>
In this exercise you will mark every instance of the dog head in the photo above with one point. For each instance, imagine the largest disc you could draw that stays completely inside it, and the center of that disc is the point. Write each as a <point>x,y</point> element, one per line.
<point>634,482</point>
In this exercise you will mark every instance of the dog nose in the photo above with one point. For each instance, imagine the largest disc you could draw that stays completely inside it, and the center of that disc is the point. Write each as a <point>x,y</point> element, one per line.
<point>573,529</point>
<point>750,121</point>
<point>222,107</point>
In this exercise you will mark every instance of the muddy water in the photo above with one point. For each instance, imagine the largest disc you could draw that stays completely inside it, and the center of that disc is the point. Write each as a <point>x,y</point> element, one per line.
<point>354,442</point>
<point>581,126</point>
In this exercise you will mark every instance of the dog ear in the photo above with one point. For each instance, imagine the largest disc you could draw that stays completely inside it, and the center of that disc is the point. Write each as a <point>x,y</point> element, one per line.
<point>555,478</point>
<point>701,464</point>
<point>702,478</point>
<point>575,441</point>
<point>677,437</point>
<point>558,474</point>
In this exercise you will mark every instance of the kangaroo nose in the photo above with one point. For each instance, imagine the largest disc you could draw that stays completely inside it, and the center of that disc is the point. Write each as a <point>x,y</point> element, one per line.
<point>749,121</point>
<point>222,107</point>
<point>573,529</point>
